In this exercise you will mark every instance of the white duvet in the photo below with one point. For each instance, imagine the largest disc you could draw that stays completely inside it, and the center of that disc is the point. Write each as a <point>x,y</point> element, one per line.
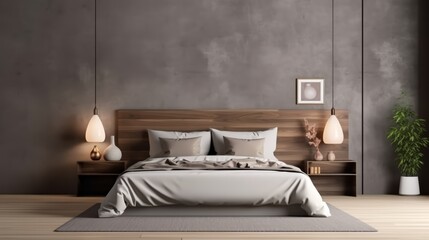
<point>212,187</point>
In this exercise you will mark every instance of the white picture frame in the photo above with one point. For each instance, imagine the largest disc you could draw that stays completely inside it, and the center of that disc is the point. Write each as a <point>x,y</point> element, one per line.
<point>310,91</point>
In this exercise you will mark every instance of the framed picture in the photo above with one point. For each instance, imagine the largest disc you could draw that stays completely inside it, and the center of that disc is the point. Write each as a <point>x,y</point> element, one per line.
<point>309,91</point>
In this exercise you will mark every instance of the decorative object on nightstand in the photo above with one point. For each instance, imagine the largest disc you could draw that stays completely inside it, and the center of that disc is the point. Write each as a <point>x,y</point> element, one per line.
<point>407,136</point>
<point>331,156</point>
<point>95,153</point>
<point>333,133</point>
<point>333,177</point>
<point>112,152</point>
<point>95,129</point>
<point>312,139</point>
<point>97,178</point>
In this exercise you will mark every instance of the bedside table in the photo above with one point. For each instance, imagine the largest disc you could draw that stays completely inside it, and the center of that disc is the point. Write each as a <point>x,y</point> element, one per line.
<point>335,178</point>
<point>96,178</point>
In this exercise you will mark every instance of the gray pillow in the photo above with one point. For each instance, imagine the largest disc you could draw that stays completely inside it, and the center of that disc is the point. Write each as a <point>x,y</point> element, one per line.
<point>155,145</point>
<point>244,147</point>
<point>180,146</point>
<point>270,136</point>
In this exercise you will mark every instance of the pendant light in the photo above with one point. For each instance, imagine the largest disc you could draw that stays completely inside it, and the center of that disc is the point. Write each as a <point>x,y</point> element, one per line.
<point>333,133</point>
<point>95,129</point>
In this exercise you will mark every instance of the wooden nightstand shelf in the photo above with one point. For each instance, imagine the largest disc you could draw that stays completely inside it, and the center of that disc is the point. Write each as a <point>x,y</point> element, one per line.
<point>335,177</point>
<point>97,177</point>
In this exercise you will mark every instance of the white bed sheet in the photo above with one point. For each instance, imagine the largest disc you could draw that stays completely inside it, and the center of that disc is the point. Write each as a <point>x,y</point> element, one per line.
<point>212,187</point>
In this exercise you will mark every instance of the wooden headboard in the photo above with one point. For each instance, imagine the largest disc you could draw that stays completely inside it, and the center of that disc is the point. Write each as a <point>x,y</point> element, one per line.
<point>292,148</point>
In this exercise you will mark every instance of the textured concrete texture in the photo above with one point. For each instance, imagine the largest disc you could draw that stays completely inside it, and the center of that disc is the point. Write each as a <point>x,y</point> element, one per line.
<point>190,54</point>
<point>391,64</point>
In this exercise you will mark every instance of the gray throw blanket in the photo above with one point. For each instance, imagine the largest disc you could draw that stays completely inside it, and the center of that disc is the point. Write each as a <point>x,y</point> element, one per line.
<point>232,164</point>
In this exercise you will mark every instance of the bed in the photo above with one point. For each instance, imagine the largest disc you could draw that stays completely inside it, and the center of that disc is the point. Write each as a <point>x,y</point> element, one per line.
<point>199,185</point>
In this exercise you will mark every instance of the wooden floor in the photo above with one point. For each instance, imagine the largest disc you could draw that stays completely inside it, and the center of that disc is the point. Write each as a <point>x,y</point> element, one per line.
<point>37,216</point>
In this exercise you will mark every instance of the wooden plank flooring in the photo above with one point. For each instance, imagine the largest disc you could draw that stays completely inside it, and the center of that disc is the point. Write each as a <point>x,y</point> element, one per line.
<point>37,216</point>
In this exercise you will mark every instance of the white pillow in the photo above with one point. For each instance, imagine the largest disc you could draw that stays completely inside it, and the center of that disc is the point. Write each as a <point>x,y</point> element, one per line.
<point>270,143</point>
<point>155,144</point>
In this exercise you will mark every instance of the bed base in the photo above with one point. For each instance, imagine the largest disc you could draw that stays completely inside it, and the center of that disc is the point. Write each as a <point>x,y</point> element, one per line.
<point>218,211</point>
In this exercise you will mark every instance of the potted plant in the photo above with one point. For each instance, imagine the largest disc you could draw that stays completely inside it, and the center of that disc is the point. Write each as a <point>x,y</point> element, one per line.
<point>408,139</point>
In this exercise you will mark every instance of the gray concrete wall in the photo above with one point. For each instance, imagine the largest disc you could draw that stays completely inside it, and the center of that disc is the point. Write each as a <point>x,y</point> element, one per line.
<point>391,64</point>
<point>183,54</point>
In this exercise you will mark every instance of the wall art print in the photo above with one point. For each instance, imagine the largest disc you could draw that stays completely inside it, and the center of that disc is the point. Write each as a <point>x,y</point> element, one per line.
<point>310,91</point>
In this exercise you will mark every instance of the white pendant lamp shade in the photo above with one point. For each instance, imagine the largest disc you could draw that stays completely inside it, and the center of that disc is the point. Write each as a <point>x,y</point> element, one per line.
<point>333,133</point>
<point>95,130</point>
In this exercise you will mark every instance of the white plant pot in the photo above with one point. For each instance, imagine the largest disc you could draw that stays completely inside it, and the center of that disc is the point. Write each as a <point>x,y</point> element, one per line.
<point>409,186</point>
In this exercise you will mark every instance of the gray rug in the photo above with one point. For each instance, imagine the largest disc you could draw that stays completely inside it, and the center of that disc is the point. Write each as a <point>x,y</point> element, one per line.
<point>338,222</point>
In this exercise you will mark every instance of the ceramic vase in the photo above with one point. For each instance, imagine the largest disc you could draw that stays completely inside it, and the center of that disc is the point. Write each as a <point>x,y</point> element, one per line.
<point>318,155</point>
<point>112,152</point>
<point>331,156</point>
<point>95,153</point>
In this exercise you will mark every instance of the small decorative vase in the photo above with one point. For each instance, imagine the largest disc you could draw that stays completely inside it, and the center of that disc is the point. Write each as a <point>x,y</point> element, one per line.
<point>331,156</point>
<point>112,152</point>
<point>318,155</point>
<point>95,153</point>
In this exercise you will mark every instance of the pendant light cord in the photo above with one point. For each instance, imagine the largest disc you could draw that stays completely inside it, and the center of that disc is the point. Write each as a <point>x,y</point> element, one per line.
<point>95,58</point>
<point>332,58</point>
<point>363,130</point>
